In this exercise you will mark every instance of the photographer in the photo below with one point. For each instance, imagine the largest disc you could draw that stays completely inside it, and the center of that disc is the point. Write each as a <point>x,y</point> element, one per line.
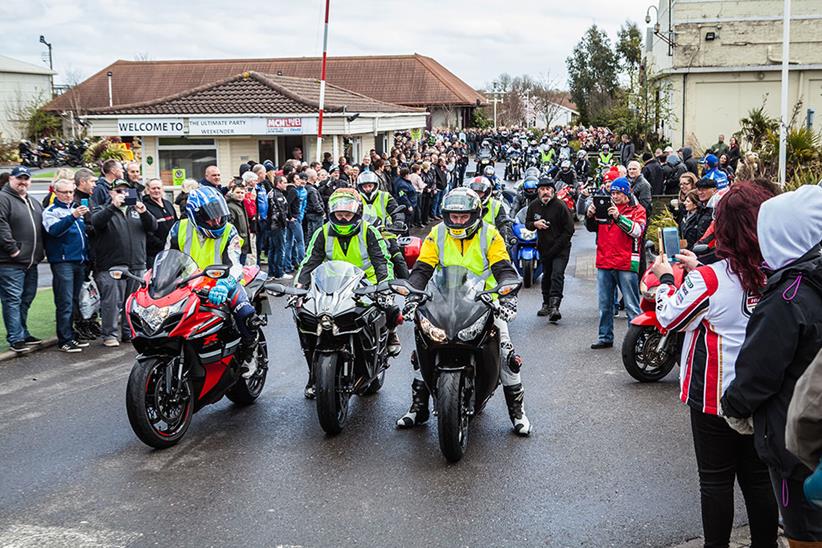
<point>552,221</point>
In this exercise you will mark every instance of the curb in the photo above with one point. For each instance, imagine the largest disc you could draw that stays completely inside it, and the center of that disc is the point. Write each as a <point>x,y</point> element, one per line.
<point>11,354</point>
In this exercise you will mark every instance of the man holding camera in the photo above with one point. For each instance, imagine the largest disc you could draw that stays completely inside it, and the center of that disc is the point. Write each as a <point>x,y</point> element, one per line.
<point>120,229</point>
<point>552,221</point>
<point>619,233</point>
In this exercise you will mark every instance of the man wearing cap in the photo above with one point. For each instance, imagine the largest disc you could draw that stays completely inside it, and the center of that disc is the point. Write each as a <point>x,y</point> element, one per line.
<point>617,258</point>
<point>21,248</point>
<point>120,240</point>
<point>552,221</point>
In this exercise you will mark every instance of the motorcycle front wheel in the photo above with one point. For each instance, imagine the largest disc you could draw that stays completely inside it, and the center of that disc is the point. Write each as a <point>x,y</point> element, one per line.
<point>452,420</point>
<point>245,391</point>
<point>528,273</point>
<point>159,418</point>
<point>332,402</point>
<point>640,356</point>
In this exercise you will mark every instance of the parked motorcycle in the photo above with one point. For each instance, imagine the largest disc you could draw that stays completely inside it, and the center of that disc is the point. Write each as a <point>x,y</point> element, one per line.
<point>649,351</point>
<point>525,252</point>
<point>343,333</point>
<point>457,348</point>
<point>187,346</point>
<point>28,154</point>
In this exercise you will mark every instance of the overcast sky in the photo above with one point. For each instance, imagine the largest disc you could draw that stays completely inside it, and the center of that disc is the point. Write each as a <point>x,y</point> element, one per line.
<point>475,39</point>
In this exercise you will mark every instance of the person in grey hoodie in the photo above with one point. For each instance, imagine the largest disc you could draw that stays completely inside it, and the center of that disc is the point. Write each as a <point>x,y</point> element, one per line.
<point>783,336</point>
<point>21,249</point>
<point>673,170</point>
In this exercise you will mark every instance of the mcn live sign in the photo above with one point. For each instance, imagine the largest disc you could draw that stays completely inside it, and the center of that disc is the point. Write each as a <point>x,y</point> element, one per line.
<point>217,126</point>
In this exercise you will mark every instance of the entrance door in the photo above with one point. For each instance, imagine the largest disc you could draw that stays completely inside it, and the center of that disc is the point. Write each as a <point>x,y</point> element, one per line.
<point>286,145</point>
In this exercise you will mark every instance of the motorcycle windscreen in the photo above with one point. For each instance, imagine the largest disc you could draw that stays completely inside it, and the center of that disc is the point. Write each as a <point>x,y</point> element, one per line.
<point>452,306</point>
<point>334,276</point>
<point>170,268</point>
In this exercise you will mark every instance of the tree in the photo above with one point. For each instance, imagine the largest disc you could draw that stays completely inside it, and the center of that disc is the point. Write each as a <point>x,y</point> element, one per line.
<point>629,49</point>
<point>592,74</point>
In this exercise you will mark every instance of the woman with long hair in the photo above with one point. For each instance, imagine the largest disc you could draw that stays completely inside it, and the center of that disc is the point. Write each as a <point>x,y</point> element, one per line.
<point>711,308</point>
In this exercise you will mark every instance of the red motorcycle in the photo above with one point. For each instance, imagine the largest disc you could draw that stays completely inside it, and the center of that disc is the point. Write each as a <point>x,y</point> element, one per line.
<point>187,346</point>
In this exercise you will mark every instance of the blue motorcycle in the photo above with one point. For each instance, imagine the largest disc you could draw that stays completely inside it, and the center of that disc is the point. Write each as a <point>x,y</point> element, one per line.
<point>525,252</point>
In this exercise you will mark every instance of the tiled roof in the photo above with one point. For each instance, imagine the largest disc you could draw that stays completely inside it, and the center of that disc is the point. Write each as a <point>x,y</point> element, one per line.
<point>255,93</point>
<point>412,80</point>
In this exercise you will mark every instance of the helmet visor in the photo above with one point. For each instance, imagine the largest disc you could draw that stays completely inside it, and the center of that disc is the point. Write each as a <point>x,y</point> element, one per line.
<point>342,203</point>
<point>460,203</point>
<point>212,211</point>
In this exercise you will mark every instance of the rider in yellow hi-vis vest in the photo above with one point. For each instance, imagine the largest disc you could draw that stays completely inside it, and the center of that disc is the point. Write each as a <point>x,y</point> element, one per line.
<point>377,207</point>
<point>347,237</point>
<point>206,236</point>
<point>492,211</point>
<point>464,239</point>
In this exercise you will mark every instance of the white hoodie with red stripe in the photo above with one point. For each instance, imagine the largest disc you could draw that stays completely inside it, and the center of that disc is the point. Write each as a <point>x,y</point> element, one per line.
<point>712,309</point>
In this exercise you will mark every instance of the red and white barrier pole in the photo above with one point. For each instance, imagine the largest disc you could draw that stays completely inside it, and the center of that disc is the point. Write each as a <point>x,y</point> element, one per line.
<point>322,86</point>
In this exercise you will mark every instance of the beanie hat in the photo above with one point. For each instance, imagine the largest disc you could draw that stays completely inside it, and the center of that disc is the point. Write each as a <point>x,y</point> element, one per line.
<point>622,185</point>
<point>711,160</point>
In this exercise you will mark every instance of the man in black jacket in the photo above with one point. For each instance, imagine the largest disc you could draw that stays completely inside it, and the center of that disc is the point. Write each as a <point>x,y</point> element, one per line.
<point>652,171</point>
<point>688,159</point>
<point>112,171</point>
<point>314,210</point>
<point>162,210</point>
<point>278,217</point>
<point>21,249</point>
<point>552,220</point>
<point>120,240</point>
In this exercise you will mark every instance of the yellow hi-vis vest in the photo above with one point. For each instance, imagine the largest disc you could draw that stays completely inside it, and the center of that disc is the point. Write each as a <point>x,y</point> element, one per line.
<point>377,209</point>
<point>490,216</point>
<point>207,253</point>
<point>474,256</point>
<point>357,250</point>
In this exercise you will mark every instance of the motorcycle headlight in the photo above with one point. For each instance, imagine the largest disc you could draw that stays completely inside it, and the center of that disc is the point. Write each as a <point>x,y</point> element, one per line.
<point>527,234</point>
<point>470,333</point>
<point>432,331</point>
<point>153,316</point>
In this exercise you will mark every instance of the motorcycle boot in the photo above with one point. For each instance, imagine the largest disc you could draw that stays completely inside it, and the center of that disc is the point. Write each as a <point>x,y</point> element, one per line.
<point>394,346</point>
<point>247,352</point>
<point>418,413</point>
<point>545,310</point>
<point>553,304</point>
<point>514,399</point>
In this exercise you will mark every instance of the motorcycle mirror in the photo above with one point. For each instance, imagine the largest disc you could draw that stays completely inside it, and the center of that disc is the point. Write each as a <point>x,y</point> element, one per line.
<point>400,287</point>
<point>117,272</point>
<point>217,271</point>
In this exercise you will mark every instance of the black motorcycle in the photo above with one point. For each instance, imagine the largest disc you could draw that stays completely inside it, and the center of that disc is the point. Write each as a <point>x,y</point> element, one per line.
<point>343,333</point>
<point>513,171</point>
<point>457,348</point>
<point>28,155</point>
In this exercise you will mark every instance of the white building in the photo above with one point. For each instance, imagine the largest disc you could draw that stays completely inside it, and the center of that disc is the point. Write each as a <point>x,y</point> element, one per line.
<point>726,61</point>
<point>21,84</point>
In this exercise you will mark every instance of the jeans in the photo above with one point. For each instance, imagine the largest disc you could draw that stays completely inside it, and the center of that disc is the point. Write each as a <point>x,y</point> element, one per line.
<point>311,226</point>
<point>294,245</point>
<point>262,239</point>
<point>113,295</point>
<point>607,282</point>
<point>276,251</point>
<point>724,456</point>
<point>553,275</point>
<point>67,279</point>
<point>435,209</point>
<point>17,291</point>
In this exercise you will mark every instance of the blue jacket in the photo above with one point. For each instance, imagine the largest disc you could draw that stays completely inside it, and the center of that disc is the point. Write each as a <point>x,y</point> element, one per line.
<point>65,236</point>
<point>404,192</point>
<point>262,203</point>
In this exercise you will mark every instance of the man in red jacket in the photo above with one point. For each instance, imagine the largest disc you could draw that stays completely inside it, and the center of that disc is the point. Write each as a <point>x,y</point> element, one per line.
<point>617,262</point>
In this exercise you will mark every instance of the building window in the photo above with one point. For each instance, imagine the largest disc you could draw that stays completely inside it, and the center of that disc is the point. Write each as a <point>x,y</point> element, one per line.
<point>192,155</point>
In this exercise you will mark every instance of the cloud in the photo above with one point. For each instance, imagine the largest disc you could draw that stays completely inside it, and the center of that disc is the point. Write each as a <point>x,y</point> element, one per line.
<point>475,39</point>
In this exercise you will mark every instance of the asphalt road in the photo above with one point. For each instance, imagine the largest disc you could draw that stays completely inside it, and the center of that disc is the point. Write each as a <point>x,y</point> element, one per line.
<point>610,462</point>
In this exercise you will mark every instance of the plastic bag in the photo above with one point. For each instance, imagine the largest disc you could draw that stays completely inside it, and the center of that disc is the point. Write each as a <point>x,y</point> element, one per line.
<point>89,300</point>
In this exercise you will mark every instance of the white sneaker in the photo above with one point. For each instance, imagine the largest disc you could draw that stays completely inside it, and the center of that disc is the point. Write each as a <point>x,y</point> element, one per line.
<point>286,277</point>
<point>111,342</point>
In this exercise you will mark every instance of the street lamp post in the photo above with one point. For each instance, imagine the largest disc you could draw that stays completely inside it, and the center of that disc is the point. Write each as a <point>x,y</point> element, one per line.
<point>51,61</point>
<point>669,37</point>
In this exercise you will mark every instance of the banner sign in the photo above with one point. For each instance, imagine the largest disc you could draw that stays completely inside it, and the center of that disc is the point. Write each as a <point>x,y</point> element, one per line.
<point>252,126</point>
<point>150,126</point>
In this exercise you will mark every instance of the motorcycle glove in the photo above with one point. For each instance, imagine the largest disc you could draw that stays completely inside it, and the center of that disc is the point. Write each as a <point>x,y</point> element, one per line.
<point>219,293</point>
<point>507,309</point>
